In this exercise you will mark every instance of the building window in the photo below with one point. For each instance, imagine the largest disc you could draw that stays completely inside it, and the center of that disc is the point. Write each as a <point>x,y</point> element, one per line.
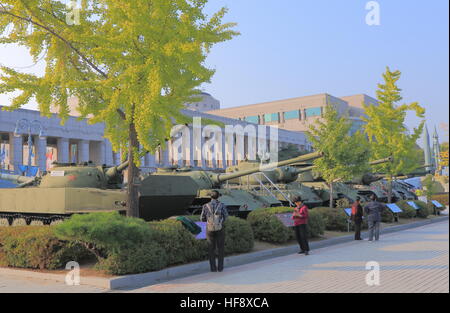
<point>252,119</point>
<point>309,112</point>
<point>272,117</point>
<point>291,115</point>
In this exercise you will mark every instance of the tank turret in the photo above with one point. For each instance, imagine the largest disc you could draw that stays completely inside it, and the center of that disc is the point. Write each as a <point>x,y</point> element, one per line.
<point>66,189</point>
<point>78,176</point>
<point>368,178</point>
<point>169,192</point>
<point>282,175</point>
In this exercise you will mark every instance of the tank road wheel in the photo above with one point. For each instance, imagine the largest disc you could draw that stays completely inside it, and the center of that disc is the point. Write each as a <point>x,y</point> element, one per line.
<point>19,222</point>
<point>36,223</point>
<point>56,222</point>
<point>4,222</point>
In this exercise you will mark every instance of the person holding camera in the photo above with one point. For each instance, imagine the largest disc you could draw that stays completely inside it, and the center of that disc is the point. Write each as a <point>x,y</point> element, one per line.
<point>300,217</point>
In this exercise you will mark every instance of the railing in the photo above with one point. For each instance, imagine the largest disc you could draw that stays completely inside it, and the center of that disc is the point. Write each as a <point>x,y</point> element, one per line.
<point>273,185</point>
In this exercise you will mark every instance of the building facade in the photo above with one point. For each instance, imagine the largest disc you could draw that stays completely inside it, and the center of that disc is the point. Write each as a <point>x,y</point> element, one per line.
<point>297,114</point>
<point>77,141</point>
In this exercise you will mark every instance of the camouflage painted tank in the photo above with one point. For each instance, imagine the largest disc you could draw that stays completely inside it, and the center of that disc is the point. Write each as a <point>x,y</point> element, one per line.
<point>170,192</point>
<point>65,190</point>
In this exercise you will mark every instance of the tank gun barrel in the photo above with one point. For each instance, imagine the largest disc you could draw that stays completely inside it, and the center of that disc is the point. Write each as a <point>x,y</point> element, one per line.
<point>381,161</point>
<point>16,178</point>
<point>220,178</point>
<point>304,169</point>
<point>114,171</point>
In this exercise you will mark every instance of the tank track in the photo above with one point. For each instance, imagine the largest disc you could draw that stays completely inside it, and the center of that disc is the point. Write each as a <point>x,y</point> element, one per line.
<point>23,219</point>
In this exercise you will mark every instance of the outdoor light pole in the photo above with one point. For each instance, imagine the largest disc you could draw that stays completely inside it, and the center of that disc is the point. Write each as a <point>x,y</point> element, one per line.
<point>29,127</point>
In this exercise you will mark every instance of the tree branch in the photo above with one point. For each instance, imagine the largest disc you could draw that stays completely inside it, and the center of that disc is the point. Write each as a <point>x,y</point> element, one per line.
<point>69,44</point>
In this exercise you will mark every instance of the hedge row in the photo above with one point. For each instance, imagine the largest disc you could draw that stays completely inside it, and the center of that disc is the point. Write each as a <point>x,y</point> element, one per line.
<point>267,227</point>
<point>121,245</point>
<point>37,247</point>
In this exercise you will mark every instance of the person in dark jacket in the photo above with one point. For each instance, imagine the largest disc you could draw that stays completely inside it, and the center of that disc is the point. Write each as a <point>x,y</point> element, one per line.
<point>357,217</point>
<point>373,212</point>
<point>300,217</point>
<point>215,238</point>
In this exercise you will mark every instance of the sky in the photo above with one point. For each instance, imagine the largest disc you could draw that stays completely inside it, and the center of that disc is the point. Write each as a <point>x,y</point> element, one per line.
<point>294,48</point>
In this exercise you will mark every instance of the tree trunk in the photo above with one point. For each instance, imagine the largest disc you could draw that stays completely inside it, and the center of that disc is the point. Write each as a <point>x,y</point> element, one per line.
<point>390,189</point>
<point>331,195</point>
<point>132,175</point>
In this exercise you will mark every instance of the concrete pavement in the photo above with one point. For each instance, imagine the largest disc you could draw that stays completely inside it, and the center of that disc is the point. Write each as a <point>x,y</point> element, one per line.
<point>414,260</point>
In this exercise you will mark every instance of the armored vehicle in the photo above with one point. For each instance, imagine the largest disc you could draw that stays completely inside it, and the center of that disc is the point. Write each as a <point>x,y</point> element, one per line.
<point>345,193</point>
<point>170,192</point>
<point>65,190</point>
<point>279,182</point>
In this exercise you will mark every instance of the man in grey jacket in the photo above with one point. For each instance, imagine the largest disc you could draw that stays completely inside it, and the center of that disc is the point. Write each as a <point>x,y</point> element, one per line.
<point>373,212</point>
<point>215,238</point>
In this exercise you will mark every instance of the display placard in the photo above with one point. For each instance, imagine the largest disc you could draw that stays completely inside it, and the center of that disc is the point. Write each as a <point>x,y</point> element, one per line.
<point>348,211</point>
<point>202,234</point>
<point>394,208</point>
<point>413,205</point>
<point>286,219</point>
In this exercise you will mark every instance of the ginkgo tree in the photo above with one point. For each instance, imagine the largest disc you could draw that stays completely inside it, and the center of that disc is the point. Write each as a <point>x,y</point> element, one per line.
<point>345,155</point>
<point>386,130</point>
<point>131,64</point>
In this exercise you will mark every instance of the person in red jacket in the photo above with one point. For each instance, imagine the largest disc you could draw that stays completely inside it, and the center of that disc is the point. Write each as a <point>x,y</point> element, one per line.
<point>357,217</point>
<point>300,217</point>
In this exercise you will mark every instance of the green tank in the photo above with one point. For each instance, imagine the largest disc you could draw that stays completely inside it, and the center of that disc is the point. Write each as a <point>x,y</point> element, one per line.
<point>170,192</point>
<point>279,182</point>
<point>65,190</point>
<point>367,185</point>
<point>344,194</point>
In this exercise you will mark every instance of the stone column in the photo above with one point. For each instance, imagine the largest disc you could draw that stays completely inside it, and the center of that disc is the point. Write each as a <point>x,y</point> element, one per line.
<point>83,151</point>
<point>191,147</point>
<point>202,163</point>
<point>41,145</point>
<point>102,150</point>
<point>16,151</point>
<point>150,160</point>
<point>223,153</point>
<point>63,150</point>
<point>165,156</point>
<point>109,160</point>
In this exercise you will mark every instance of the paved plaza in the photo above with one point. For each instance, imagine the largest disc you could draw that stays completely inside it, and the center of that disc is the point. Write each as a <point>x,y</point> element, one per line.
<point>414,260</point>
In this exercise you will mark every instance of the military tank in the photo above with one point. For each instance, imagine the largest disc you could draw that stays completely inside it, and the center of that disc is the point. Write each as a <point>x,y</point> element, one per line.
<point>344,194</point>
<point>65,190</point>
<point>170,192</point>
<point>279,182</point>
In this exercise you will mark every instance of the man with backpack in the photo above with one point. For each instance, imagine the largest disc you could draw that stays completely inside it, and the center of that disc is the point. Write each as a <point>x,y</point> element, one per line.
<point>214,214</point>
<point>357,217</point>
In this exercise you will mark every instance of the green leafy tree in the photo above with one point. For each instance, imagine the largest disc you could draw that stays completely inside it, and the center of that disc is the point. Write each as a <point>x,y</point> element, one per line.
<point>131,64</point>
<point>344,155</point>
<point>386,130</point>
